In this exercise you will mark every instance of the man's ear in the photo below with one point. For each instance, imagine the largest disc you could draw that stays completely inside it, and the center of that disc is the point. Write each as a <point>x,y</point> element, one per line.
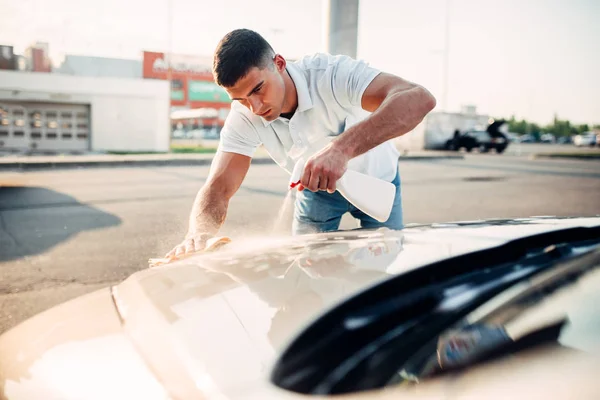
<point>280,62</point>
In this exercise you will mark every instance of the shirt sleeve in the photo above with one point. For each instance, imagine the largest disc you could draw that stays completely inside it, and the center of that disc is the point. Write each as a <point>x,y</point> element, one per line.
<point>238,136</point>
<point>350,79</point>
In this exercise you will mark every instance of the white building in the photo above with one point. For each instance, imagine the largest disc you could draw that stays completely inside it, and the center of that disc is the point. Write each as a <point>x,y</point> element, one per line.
<point>99,67</point>
<point>63,113</point>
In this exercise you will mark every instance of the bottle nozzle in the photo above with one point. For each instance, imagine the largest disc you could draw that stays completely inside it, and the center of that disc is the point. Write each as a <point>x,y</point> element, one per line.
<point>297,173</point>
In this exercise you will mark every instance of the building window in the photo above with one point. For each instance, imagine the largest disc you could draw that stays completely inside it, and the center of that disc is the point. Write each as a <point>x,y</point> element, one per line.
<point>66,136</point>
<point>36,119</point>
<point>4,121</point>
<point>34,135</point>
<point>82,136</point>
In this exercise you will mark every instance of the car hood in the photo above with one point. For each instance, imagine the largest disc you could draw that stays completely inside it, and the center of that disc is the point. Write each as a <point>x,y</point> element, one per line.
<point>212,326</point>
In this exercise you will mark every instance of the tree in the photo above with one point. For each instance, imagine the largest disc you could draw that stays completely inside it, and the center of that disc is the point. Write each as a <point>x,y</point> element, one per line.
<point>534,128</point>
<point>583,128</point>
<point>558,127</point>
<point>515,126</point>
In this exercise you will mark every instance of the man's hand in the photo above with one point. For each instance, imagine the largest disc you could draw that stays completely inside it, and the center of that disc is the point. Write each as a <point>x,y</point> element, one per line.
<point>322,170</point>
<point>210,206</point>
<point>193,243</point>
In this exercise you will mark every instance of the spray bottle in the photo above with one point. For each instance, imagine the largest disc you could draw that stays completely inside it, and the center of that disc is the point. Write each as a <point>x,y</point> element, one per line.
<point>373,196</point>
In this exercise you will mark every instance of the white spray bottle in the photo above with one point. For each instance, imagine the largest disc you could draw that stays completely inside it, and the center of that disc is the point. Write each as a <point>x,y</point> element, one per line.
<point>373,196</point>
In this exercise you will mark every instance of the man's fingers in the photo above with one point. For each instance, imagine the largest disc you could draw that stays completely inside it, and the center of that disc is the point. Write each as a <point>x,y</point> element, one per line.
<point>189,246</point>
<point>331,187</point>
<point>185,247</point>
<point>310,178</point>
<point>313,185</point>
<point>323,183</point>
<point>199,245</point>
<point>306,175</point>
<point>315,176</point>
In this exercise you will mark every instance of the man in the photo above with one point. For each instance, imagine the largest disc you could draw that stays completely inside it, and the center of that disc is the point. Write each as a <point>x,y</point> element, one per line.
<point>337,111</point>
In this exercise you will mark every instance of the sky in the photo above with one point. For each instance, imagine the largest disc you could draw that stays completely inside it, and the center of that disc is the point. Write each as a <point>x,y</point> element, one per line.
<point>527,58</point>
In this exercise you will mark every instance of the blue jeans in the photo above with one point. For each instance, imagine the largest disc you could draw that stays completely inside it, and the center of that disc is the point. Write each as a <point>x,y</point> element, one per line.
<point>322,212</point>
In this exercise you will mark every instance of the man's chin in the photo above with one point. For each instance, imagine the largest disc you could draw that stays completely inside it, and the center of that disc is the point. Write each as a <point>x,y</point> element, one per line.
<point>271,116</point>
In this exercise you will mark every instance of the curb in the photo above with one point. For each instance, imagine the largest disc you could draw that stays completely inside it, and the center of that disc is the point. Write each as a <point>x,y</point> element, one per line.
<point>431,158</point>
<point>583,156</point>
<point>20,166</point>
<point>52,165</point>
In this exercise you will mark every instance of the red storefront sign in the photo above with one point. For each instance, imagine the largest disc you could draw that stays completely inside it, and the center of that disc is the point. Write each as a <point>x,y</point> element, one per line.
<point>185,71</point>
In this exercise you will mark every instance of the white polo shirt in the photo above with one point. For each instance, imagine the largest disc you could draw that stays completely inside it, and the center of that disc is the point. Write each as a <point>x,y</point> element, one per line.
<point>330,90</point>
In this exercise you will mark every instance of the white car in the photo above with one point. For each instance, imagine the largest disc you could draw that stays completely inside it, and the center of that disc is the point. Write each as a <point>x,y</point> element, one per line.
<point>496,309</point>
<point>585,139</point>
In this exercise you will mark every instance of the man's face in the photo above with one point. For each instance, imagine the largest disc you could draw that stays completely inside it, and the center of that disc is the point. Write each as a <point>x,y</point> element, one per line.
<point>262,90</point>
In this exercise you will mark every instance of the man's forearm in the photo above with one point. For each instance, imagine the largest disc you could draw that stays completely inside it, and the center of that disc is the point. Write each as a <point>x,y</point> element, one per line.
<point>208,212</point>
<point>398,114</point>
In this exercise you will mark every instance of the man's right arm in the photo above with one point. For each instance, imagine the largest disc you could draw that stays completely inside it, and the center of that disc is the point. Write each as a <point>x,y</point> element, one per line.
<point>209,210</point>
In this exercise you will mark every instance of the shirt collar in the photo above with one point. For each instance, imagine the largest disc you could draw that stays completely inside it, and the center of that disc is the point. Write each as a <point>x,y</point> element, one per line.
<point>304,100</point>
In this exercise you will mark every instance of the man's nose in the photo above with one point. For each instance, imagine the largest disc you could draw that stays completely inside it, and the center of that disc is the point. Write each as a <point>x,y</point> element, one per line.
<point>255,104</point>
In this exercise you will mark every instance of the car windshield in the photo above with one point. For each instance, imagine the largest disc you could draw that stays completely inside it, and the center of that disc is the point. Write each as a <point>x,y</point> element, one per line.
<point>562,314</point>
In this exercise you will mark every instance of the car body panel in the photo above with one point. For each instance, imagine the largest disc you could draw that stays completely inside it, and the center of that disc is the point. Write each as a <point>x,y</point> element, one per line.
<point>211,326</point>
<point>71,352</point>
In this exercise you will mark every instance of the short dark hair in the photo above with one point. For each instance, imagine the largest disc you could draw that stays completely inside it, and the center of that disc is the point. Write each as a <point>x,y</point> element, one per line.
<point>238,52</point>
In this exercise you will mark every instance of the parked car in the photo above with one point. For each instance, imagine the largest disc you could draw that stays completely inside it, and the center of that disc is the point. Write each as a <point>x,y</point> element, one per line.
<point>512,137</point>
<point>547,138</point>
<point>527,138</point>
<point>565,140</point>
<point>480,140</point>
<point>585,139</point>
<point>479,309</point>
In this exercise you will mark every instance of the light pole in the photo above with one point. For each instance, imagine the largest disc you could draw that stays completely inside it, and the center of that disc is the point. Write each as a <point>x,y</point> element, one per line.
<point>276,32</point>
<point>168,60</point>
<point>169,43</point>
<point>340,26</point>
<point>446,57</point>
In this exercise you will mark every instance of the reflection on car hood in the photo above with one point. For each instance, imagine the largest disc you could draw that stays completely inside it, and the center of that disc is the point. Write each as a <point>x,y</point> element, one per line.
<point>212,325</point>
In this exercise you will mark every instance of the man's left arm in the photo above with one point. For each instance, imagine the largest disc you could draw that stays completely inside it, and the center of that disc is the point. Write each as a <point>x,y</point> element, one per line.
<point>397,107</point>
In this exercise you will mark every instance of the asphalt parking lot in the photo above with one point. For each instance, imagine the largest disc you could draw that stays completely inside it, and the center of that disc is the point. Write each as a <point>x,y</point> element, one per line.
<point>69,232</point>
